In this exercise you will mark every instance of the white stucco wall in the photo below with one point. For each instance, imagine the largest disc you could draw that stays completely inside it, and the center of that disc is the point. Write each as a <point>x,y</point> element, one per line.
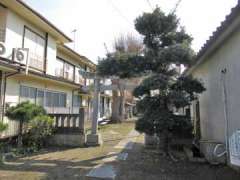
<point>13,88</point>
<point>14,38</point>
<point>211,101</point>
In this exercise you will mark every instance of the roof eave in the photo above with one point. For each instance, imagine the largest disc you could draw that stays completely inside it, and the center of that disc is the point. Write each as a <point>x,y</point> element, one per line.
<point>82,59</point>
<point>17,5</point>
<point>231,23</point>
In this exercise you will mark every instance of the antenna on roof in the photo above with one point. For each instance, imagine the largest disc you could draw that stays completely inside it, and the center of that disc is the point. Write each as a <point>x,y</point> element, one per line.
<point>74,38</point>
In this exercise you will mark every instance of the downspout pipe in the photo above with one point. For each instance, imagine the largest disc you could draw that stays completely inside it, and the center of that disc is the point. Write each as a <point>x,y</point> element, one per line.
<point>5,88</point>
<point>221,146</point>
<point>225,103</point>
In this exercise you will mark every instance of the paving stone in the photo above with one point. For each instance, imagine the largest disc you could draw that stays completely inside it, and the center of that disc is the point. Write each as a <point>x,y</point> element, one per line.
<point>106,172</point>
<point>122,156</point>
<point>116,157</point>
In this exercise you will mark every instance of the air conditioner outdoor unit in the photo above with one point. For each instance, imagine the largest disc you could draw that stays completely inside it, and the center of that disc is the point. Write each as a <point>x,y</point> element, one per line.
<point>20,55</point>
<point>2,49</point>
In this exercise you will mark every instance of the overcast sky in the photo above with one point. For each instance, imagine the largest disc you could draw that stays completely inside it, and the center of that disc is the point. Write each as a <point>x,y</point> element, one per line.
<point>100,21</point>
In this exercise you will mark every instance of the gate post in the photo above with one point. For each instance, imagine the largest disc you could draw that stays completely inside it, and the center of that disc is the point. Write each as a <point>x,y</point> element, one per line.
<point>82,118</point>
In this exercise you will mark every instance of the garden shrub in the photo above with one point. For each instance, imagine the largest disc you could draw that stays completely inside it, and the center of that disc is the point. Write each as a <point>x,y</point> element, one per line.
<point>3,127</point>
<point>24,112</point>
<point>41,127</point>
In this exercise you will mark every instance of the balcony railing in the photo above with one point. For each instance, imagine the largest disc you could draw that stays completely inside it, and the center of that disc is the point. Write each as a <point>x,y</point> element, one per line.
<point>2,35</point>
<point>36,61</point>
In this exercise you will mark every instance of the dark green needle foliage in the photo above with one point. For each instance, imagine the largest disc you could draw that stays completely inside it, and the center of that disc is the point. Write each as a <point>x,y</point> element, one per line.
<point>166,47</point>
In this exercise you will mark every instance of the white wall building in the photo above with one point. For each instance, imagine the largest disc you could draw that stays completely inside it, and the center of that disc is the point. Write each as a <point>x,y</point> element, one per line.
<point>217,110</point>
<point>53,79</point>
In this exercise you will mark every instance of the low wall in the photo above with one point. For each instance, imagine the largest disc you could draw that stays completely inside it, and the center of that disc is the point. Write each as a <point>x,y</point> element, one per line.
<point>67,140</point>
<point>12,130</point>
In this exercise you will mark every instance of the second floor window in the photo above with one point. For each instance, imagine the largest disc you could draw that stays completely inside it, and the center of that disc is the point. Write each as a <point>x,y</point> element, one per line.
<point>59,68</point>
<point>68,71</point>
<point>64,69</point>
<point>36,45</point>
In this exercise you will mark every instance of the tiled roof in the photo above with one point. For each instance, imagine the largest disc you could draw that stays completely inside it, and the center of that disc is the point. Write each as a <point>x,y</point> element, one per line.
<point>43,18</point>
<point>215,35</point>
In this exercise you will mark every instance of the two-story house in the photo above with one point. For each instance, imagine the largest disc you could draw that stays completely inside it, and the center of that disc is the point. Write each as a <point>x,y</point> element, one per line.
<point>44,70</point>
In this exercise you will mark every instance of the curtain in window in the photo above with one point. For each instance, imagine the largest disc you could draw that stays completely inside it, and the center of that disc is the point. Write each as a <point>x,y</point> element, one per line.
<point>59,68</point>
<point>54,99</point>
<point>40,98</point>
<point>27,94</point>
<point>77,101</point>
<point>43,98</point>
<point>68,71</point>
<point>62,100</point>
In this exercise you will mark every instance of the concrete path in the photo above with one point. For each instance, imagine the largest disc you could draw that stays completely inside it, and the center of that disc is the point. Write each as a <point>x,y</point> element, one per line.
<point>108,171</point>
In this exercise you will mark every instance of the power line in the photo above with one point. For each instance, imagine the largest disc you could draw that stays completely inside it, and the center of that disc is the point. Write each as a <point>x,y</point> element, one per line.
<point>176,6</point>
<point>119,12</point>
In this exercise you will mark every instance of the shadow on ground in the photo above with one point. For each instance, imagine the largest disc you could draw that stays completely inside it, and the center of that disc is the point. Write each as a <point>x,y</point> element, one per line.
<point>149,164</point>
<point>50,168</point>
<point>62,164</point>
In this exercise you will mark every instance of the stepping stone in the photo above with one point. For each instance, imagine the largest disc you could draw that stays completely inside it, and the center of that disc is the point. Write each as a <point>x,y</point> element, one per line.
<point>133,133</point>
<point>116,157</point>
<point>128,145</point>
<point>122,156</point>
<point>105,172</point>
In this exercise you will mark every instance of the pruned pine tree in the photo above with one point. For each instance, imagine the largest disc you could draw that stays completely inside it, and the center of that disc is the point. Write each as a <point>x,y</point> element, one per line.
<point>166,47</point>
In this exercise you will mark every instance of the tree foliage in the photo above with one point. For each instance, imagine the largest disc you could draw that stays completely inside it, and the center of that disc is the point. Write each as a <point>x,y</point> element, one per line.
<point>24,112</point>
<point>41,129</point>
<point>3,127</point>
<point>167,47</point>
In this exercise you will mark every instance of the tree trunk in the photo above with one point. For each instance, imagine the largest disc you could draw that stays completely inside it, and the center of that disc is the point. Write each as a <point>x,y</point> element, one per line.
<point>166,142</point>
<point>118,106</point>
<point>115,107</point>
<point>20,138</point>
<point>122,105</point>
